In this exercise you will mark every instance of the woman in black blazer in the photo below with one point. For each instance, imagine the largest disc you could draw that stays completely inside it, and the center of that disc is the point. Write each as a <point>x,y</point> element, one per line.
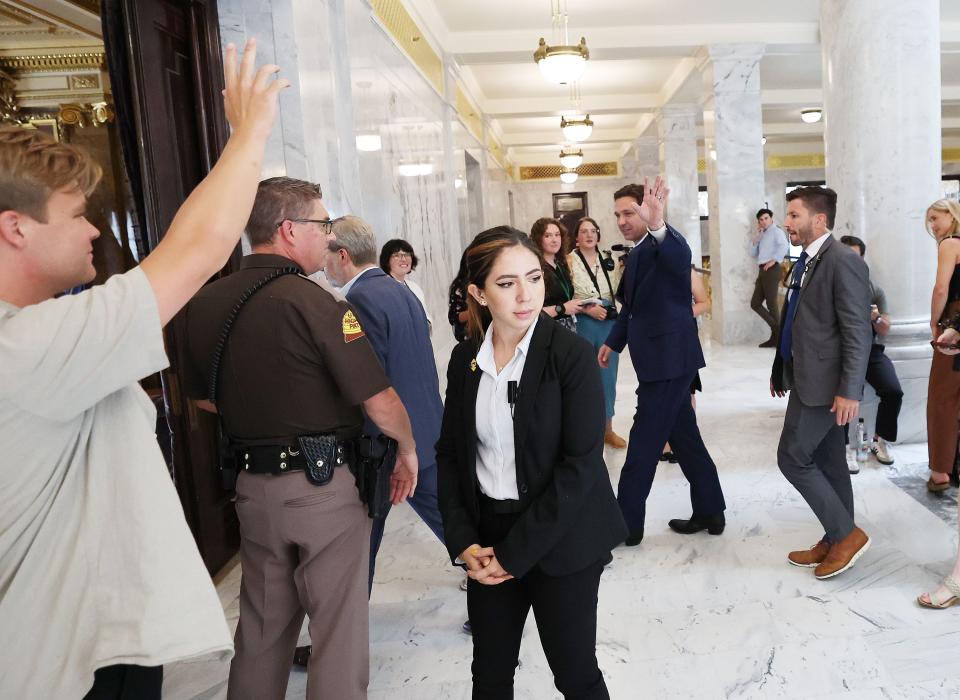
<point>525,495</point>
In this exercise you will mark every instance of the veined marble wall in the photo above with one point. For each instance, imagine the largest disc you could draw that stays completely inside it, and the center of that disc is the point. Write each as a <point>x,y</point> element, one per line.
<point>349,78</point>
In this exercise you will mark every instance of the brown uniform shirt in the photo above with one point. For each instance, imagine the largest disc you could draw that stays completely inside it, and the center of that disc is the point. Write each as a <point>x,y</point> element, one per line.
<point>297,361</point>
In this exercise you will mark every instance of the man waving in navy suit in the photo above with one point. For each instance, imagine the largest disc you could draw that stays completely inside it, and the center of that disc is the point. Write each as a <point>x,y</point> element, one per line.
<point>658,324</point>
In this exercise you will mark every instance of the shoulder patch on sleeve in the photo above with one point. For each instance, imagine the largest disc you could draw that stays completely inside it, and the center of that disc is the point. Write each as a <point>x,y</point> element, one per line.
<point>351,328</point>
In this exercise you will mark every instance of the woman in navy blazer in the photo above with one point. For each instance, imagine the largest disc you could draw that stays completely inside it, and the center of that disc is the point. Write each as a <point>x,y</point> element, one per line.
<point>525,495</point>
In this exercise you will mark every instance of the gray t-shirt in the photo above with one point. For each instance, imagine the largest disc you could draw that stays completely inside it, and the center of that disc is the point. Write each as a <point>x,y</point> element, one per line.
<point>97,565</point>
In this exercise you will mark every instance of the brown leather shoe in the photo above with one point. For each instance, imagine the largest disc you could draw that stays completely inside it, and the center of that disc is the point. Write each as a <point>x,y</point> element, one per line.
<point>810,557</point>
<point>843,554</point>
<point>614,440</point>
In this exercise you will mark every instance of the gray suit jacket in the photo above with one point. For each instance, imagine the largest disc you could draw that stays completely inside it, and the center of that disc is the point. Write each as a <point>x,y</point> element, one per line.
<point>831,330</point>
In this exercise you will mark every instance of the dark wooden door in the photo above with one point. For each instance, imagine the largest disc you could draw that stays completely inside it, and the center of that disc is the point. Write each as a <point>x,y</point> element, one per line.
<point>175,73</point>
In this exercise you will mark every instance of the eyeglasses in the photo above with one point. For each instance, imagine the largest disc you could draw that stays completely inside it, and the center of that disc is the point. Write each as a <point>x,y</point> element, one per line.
<point>400,255</point>
<point>326,223</point>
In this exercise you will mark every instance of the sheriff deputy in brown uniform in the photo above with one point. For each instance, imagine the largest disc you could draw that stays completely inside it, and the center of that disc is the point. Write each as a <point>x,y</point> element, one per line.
<point>294,363</point>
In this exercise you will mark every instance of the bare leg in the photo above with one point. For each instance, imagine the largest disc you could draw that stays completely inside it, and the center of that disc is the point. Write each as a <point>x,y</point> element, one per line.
<point>942,594</point>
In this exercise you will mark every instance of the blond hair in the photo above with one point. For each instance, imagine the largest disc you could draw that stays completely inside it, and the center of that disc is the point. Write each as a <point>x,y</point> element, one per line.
<point>948,206</point>
<point>33,166</point>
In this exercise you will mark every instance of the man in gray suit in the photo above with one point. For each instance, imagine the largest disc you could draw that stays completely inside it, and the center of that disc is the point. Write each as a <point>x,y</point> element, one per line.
<point>821,358</point>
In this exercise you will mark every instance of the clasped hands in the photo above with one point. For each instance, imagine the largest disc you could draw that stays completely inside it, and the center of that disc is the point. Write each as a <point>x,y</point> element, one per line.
<point>482,565</point>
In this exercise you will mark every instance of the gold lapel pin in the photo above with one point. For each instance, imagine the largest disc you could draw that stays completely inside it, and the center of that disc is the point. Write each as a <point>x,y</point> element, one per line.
<point>473,365</point>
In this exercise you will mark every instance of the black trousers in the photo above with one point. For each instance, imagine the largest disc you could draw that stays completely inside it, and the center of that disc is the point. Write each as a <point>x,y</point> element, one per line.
<point>882,376</point>
<point>664,414</point>
<point>565,608</point>
<point>126,682</point>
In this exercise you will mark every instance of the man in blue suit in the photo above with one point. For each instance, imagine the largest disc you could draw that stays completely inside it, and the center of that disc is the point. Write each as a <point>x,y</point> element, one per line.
<point>658,324</point>
<point>395,323</point>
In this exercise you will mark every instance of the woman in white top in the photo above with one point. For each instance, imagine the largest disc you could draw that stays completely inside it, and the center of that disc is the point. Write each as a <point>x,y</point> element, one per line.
<point>595,279</point>
<point>398,260</point>
<point>525,496</point>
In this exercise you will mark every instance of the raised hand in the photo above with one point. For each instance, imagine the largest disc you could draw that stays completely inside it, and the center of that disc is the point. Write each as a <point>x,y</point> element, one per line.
<point>654,203</point>
<point>250,96</point>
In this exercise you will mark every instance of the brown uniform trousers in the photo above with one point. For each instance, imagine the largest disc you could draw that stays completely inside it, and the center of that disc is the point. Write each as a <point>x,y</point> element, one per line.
<point>943,407</point>
<point>303,548</point>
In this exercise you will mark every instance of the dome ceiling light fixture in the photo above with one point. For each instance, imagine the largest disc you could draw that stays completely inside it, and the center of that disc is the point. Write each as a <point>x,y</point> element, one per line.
<point>576,129</point>
<point>564,62</point>
<point>571,159</point>
<point>568,176</point>
<point>811,116</point>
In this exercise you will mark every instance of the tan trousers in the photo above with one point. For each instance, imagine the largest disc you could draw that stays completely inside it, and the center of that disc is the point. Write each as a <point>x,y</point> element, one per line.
<point>303,548</point>
<point>943,408</point>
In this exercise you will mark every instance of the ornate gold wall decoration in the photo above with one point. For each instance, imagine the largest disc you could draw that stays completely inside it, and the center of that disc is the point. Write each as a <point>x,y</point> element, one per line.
<point>398,22</point>
<point>798,160</point>
<point>549,172</point>
<point>82,115</point>
<point>84,82</point>
<point>9,108</point>
<point>53,62</point>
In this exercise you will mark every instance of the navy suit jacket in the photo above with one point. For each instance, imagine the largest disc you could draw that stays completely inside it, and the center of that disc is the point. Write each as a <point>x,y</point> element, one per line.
<point>657,315</point>
<point>396,326</point>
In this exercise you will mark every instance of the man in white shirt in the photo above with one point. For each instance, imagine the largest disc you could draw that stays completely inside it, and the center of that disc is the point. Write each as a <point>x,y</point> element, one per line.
<point>100,580</point>
<point>769,246</point>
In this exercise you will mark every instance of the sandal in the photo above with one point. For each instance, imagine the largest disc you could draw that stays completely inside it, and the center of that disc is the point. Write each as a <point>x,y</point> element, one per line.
<point>952,586</point>
<point>935,487</point>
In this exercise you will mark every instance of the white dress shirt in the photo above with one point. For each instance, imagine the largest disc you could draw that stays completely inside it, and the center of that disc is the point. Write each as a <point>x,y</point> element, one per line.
<point>345,289</point>
<point>657,233</point>
<point>811,251</point>
<point>496,459</point>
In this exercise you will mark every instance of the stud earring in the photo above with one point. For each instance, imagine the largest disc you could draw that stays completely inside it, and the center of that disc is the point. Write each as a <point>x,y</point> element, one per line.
<point>483,302</point>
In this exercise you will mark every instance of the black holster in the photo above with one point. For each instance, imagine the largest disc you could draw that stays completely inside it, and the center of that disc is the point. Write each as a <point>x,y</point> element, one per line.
<point>372,467</point>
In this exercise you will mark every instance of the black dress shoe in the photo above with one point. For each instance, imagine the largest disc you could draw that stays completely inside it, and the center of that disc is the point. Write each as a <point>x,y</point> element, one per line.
<point>301,656</point>
<point>666,457</point>
<point>635,538</point>
<point>713,524</point>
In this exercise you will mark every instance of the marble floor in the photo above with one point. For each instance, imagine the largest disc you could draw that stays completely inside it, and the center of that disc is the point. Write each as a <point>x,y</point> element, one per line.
<point>696,617</point>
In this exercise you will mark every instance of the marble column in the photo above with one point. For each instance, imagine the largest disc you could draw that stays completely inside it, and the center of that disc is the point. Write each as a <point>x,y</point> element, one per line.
<point>881,99</point>
<point>733,128</point>
<point>677,127</point>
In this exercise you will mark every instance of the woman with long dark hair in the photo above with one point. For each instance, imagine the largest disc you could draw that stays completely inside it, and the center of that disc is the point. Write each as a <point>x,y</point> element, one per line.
<point>526,500</point>
<point>551,237</point>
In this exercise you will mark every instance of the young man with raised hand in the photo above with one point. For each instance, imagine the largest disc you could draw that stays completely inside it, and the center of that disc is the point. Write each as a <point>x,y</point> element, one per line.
<point>100,580</point>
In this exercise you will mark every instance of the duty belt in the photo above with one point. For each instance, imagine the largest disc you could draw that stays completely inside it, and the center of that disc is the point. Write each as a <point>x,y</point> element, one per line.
<point>280,459</point>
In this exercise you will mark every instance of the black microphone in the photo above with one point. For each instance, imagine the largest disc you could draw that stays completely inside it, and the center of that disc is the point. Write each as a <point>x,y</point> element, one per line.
<point>513,393</point>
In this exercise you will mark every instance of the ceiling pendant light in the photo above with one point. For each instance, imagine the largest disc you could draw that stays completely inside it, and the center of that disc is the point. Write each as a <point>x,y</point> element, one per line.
<point>564,62</point>
<point>568,176</point>
<point>571,159</point>
<point>576,129</point>
<point>811,116</point>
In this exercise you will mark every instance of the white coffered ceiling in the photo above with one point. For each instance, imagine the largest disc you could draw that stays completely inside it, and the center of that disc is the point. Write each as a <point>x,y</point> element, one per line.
<point>643,55</point>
